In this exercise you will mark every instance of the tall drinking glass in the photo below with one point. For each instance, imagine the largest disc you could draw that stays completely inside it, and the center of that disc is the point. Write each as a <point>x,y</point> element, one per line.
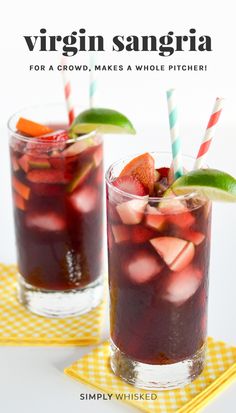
<point>57,190</point>
<point>158,250</point>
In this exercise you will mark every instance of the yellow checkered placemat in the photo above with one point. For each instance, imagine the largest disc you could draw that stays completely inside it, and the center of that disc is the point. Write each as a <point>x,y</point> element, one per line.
<point>19,327</point>
<point>220,371</point>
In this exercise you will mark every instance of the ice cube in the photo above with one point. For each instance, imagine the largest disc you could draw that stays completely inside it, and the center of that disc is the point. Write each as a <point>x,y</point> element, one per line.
<point>84,200</point>
<point>45,221</point>
<point>142,267</point>
<point>180,286</point>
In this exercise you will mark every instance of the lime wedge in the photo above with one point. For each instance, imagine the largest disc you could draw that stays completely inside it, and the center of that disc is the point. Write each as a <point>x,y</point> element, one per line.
<point>102,120</point>
<point>216,185</point>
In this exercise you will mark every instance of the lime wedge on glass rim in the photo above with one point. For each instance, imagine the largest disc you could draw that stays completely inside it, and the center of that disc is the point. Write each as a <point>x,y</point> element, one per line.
<point>102,120</point>
<point>214,184</point>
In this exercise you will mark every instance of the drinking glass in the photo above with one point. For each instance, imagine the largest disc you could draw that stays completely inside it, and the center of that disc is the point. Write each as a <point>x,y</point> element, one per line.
<point>57,191</point>
<point>158,256</point>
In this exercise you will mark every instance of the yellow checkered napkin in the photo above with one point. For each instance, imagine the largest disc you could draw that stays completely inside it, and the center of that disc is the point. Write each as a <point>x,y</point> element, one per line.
<point>220,370</point>
<point>19,327</point>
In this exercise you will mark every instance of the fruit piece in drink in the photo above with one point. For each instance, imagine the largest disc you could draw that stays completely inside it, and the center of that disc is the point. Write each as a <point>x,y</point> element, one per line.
<point>175,252</point>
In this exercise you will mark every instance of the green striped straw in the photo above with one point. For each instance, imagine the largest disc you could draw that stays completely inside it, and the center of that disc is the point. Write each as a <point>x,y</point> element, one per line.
<point>93,81</point>
<point>174,133</point>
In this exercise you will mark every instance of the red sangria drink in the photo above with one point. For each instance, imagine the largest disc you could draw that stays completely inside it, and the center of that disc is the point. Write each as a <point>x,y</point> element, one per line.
<point>57,185</point>
<point>158,250</point>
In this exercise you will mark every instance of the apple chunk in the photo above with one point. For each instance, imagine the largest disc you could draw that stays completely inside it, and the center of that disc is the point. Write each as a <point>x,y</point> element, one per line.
<point>131,212</point>
<point>175,252</point>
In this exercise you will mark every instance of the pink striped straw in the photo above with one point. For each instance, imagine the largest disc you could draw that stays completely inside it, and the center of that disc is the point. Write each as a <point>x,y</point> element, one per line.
<point>68,95</point>
<point>209,134</point>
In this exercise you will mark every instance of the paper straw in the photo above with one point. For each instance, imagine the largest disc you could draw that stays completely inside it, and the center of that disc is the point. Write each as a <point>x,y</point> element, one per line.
<point>68,95</point>
<point>93,81</point>
<point>209,134</point>
<point>174,133</point>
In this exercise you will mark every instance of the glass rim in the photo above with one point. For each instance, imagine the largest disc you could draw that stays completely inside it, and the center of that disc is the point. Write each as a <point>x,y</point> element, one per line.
<point>182,197</point>
<point>40,139</point>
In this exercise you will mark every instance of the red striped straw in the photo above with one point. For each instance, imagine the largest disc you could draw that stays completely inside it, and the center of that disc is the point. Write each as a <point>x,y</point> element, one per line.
<point>209,134</point>
<point>68,95</point>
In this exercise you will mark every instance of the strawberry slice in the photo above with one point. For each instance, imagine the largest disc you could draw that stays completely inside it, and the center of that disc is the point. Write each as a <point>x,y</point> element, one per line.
<point>131,212</point>
<point>180,286</point>
<point>183,220</point>
<point>47,143</point>
<point>142,267</point>
<point>175,252</point>
<point>48,176</point>
<point>19,201</point>
<point>141,234</point>
<point>22,189</point>
<point>121,233</point>
<point>154,219</point>
<point>194,236</point>
<point>58,136</point>
<point>164,172</point>
<point>131,185</point>
<point>85,199</point>
<point>143,168</point>
<point>46,221</point>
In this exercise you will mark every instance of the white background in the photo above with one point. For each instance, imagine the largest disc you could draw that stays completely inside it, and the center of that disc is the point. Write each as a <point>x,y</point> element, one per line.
<point>32,378</point>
